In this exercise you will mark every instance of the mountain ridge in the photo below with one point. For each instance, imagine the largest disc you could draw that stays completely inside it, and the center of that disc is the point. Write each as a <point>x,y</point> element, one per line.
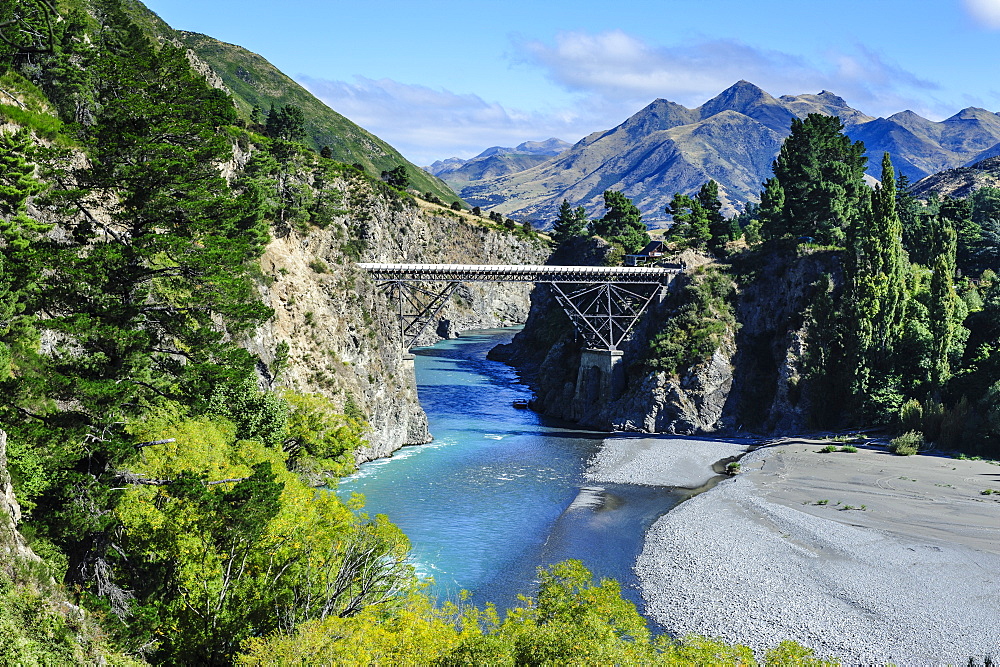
<point>253,81</point>
<point>496,161</point>
<point>732,138</point>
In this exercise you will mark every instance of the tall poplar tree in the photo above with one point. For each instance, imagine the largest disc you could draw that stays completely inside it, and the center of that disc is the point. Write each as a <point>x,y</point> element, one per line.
<point>943,299</point>
<point>876,267</point>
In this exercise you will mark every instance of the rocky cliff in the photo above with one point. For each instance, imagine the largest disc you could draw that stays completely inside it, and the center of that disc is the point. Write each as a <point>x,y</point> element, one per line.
<point>752,380</point>
<point>334,331</point>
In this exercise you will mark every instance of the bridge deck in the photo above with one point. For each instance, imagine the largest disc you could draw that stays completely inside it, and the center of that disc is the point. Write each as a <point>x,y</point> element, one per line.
<point>520,273</point>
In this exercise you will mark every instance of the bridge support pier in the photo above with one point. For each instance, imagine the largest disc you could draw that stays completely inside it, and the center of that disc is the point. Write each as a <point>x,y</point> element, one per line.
<point>600,378</point>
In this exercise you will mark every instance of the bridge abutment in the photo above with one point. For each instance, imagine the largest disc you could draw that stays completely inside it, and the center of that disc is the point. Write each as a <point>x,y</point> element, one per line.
<point>600,378</point>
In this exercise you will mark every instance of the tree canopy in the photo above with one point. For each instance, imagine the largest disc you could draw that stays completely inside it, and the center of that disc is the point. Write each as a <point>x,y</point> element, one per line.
<point>817,190</point>
<point>622,223</point>
<point>572,222</point>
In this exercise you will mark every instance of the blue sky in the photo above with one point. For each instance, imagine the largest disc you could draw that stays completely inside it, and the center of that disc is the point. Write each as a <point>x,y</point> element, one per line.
<point>442,78</point>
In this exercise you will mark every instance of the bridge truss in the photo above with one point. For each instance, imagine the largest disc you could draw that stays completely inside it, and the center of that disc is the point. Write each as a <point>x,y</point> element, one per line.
<point>602,302</point>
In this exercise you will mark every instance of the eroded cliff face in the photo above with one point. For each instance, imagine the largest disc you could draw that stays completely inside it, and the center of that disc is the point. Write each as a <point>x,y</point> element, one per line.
<point>771,394</point>
<point>752,382</point>
<point>340,331</point>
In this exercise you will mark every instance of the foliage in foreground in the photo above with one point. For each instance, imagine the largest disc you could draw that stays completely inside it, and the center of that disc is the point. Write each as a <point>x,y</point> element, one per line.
<point>571,620</point>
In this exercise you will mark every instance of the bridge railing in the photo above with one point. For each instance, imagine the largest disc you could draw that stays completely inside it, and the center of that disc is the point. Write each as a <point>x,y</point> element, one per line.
<point>520,273</point>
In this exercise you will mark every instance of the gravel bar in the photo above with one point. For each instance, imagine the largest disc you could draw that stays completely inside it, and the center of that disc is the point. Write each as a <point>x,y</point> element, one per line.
<point>660,461</point>
<point>912,579</point>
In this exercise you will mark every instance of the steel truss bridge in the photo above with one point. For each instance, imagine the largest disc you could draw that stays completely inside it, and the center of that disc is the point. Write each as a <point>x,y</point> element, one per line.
<point>602,302</point>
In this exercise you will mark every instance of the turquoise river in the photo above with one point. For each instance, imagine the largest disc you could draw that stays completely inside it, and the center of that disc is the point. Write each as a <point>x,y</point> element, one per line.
<point>501,491</point>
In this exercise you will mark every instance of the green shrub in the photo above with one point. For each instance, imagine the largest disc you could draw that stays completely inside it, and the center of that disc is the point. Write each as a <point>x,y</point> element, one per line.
<point>733,468</point>
<point>849,449</point>
<point>911,415</point>
<point>907,444</point>
<point>829,449</point>
<point>701,317</point>
<point>930,422</point>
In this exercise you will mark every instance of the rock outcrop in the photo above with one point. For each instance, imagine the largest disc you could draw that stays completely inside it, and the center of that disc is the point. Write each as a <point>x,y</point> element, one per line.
<point>752,382</point>
<point>334,331</point>
<point>13,547</point>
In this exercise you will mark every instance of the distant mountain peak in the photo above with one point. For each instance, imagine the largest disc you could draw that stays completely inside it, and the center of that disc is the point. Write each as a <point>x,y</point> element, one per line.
<point>832,98</point>
<point>972,113</point>
<point>733,139</point>
<point>740,96</point>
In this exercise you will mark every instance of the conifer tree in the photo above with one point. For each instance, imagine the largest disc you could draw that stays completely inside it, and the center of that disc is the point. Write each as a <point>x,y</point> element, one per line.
<point>622,224</point>
<point>690,221</point>
<point>721,230</point>
<point>149,289</point>
<point>820,174</point>
<point>22,262</point>
<point>769,215</point>
<point>572,222</point>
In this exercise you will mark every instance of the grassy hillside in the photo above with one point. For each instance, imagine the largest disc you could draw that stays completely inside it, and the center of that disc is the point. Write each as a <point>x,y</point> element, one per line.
<point>256,82</point>
<point>253,81</point>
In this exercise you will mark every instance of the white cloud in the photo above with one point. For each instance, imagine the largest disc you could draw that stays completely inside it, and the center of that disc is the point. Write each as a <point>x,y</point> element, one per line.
<point>615,65</point>
<point>610,76</point>
<point>986,12</point>
<point>427,124</point>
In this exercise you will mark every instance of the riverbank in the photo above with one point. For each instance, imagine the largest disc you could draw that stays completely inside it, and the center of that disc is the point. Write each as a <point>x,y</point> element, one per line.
<point>866,557</point>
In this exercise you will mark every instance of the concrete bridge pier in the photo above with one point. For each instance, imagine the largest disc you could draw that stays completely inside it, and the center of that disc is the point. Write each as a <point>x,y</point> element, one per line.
<point>600,378</point>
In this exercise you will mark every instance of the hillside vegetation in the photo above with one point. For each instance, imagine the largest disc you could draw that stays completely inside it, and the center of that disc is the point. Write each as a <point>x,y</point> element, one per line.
<point>256,84</point>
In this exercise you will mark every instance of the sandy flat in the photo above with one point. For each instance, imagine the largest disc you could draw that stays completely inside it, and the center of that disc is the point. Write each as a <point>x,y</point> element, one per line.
<point>913,578</point>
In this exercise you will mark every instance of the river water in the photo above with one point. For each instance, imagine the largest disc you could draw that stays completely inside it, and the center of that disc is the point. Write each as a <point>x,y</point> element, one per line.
<point>501,491</point>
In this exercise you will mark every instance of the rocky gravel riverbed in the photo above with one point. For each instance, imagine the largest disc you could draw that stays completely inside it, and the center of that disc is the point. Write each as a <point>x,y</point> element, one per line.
<point>866,557</point>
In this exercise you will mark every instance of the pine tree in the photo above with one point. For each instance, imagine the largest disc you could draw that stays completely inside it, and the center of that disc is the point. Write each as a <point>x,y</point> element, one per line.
<point>622,224</point>
<point>22,262</point>
<point>150,288</point>
<point>720,229</point>
<point>287,123</point>
<point>690,221</point>
<point>770,215</point>
<point>570,223</point>
<point>820,174</point>
<point>165,279</point>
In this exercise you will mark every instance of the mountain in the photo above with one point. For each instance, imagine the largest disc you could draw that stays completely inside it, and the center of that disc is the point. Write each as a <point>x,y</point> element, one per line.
<point>732,138</point>
<point>496,161</point>
<point>960,182</point>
